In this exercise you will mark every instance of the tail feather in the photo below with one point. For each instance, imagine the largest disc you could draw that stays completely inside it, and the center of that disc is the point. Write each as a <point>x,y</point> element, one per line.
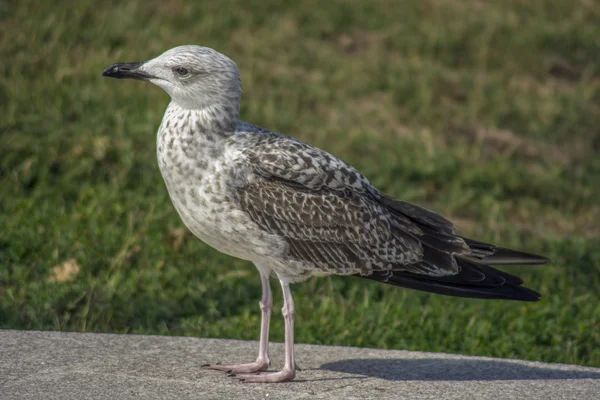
<point>475,279</point>
<point>452,265</point>
<point>486,253</point>
<point>504,292</point>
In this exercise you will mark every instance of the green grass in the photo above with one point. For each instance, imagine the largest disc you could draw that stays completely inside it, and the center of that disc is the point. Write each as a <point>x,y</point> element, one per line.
<point>488,112</point>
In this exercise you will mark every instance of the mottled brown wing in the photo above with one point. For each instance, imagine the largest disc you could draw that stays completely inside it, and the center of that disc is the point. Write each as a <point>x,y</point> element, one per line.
<point>336,221</point>
<point>333,217</point>
<point>339,232</point>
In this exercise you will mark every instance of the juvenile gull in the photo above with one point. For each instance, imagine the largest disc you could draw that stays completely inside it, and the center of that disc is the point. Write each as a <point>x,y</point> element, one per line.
<point>294,210</point>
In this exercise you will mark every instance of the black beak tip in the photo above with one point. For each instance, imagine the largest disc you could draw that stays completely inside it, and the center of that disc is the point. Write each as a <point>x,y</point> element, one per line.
<point>111,71</point>
<point>125,70</point>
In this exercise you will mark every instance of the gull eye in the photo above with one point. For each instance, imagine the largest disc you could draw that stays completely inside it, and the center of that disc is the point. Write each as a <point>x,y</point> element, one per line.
<point>181,71</point>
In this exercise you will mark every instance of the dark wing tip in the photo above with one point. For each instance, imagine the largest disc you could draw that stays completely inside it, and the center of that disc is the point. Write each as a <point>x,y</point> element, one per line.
<point>489,254</point>
<point>474,280</point>
<point>503,292</point>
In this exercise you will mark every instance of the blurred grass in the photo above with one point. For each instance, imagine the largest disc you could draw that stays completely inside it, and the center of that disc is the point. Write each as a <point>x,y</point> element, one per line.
<point>488,112</point>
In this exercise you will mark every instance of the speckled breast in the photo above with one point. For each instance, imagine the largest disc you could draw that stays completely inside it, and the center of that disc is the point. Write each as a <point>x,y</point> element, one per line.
<point>198,178</point>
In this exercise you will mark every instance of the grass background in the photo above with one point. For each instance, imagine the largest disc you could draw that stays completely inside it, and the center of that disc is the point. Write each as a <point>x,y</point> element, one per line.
<point>488,112</point>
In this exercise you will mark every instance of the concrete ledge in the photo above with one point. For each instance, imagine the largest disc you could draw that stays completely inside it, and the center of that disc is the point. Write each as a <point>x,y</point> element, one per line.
<point>54,365</point>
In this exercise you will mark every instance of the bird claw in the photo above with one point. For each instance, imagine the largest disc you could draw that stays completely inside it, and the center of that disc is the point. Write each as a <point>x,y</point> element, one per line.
<point>284,375</point>
<point>256,366</point>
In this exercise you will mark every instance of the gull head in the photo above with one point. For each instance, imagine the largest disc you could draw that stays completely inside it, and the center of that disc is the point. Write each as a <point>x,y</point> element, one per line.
<point>195,77</point>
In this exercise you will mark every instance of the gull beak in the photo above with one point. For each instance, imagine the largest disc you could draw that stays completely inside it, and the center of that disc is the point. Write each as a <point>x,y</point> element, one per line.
<point>130,70</point>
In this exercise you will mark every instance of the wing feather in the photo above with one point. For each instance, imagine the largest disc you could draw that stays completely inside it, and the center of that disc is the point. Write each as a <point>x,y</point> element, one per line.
<point>339,231</point>
<point>329,215</point>
<point>336,222</point>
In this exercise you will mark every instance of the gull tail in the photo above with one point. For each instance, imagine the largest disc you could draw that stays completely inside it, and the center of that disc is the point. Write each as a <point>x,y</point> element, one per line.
<point>489,254</point>
<point>474,280</point>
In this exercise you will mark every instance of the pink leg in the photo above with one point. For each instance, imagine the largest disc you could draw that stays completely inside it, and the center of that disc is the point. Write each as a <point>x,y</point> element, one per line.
<point>262,362</point>
<point>289,369</point>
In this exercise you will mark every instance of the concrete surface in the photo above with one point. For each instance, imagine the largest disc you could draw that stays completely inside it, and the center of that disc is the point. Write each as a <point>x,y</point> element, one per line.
<point>54,365</point>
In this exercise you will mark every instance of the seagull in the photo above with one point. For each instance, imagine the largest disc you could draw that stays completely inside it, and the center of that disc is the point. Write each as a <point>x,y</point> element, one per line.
<point>295,210</point>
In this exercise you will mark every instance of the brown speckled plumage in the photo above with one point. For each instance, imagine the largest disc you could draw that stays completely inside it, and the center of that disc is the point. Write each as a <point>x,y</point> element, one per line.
<point>294,210</point>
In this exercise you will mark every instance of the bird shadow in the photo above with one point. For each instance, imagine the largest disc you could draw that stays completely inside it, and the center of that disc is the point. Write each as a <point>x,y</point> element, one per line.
<point>436,369</point>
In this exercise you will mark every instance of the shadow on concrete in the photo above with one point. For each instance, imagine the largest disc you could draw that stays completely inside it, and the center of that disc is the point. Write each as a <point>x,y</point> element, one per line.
<point>434,369</point>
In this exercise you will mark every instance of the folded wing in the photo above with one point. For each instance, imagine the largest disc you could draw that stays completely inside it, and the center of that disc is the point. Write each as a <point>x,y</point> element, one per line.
<point>335,221</point>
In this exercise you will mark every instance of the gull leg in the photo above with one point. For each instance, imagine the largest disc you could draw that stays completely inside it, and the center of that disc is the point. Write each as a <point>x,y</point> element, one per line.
<point>289,369</point>
<point>262,362</point>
